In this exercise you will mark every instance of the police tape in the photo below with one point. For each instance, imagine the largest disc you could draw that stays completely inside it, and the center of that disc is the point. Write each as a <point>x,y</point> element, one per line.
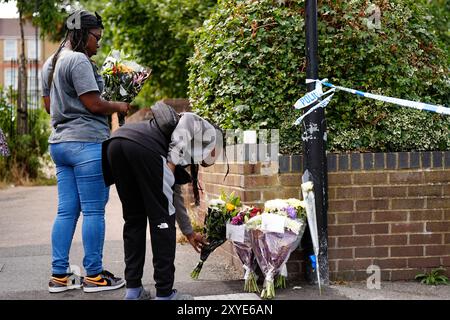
<point>315,95</point>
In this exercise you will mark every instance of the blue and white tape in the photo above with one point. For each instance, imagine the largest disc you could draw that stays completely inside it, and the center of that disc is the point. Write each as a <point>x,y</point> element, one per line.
<point>314,96</point>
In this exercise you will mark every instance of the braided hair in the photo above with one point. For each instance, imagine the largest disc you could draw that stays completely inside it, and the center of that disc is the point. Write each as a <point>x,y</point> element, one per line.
<point>77,35</point>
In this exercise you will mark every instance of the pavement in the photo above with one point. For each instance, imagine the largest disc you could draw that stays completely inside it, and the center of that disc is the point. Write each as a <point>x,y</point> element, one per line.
<point>26,217</point>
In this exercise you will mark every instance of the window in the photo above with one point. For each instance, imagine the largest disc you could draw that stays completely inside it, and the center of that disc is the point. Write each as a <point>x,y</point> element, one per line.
<point>31,49</point>
<point>11,78</point>
<point>10,49</point>
<point>33,83</point>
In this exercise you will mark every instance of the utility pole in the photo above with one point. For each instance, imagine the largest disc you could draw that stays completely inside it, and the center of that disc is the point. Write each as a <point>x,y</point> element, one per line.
<point>314,143</point>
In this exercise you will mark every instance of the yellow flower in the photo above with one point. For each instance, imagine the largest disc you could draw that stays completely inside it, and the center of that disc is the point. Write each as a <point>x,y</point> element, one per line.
<point>230,207</point>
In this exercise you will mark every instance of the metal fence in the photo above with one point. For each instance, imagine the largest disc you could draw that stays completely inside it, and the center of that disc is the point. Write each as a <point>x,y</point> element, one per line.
<point>10,91</point>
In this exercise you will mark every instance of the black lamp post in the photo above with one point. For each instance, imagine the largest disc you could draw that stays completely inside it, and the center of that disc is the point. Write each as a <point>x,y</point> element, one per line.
<point>314,143</point>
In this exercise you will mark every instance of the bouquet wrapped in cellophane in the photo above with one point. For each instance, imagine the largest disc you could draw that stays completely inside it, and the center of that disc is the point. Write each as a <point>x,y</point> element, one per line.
<point>239,236</point>
<point>123,79</point>
<point>274,235</point>
<point>214,229</point>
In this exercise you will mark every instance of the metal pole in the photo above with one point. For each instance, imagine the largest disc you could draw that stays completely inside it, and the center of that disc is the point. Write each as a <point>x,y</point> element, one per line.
<point>314,142</point>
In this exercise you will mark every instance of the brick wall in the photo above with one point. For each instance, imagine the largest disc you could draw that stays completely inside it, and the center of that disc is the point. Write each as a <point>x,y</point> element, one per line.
<point>386,209</point>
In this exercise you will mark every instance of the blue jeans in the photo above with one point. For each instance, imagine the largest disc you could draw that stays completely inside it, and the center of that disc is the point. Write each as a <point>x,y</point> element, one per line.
<point>80,188</point>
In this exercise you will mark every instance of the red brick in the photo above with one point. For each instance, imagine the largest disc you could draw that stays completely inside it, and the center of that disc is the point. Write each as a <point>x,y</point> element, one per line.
<point>425,239</point>
<point>290,180</point>
<point>334,254</point>
<point>438,203</point>
<point>263,181</point>
<point>428,262</point>
<point>447,238</point>
<point>407,227</point>
<point>406,178</point>
<point>292,193</point>
<point>344,242</point>
<point>385,216</point>
<point>331,218</point>
<point>407,251</point>
<point>354,264</point>
<point>397,263</point>
<point>389,192</point>
<point>354,217</point>
<point>272,193</point>
<point>370,178</point>
<point>366,205</point>
<point>353,193</point>
<point>403,274</point>
<point>331,193</point>
<point>345,230</point>
<point>408,203</point>
<point>445,261</point>
<point>425,215</point>
<point>438,250</point>
<point>332,265</point>
<point>337,179</point>
<point>438,226</point>
<point>332,241</point>
<point>340,205</point>
<point>373,228</point>
<point>438,176</point>
<point>370,252</point>
<point>447,215</point>
<point>424,190</point>
<point>388,240</point>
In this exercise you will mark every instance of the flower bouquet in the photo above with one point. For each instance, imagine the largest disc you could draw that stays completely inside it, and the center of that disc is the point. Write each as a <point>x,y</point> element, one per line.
<point>274,235</point>
<point>219,212</point>
<point>124,79</point>
<point>243,247</point>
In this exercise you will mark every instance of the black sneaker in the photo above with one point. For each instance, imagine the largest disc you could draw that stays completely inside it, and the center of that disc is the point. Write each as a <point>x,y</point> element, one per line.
<point>104,281</point>
<point>68,282</point>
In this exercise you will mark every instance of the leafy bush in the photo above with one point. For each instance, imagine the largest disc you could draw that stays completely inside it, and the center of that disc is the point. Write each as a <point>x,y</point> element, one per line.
<point>24,163</point>
<point>248,70</point>
<point>433,277</point>
<point>157,33</point>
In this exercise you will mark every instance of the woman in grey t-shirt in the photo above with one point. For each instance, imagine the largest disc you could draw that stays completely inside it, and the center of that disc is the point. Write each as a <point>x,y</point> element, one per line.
<point>71,90</point>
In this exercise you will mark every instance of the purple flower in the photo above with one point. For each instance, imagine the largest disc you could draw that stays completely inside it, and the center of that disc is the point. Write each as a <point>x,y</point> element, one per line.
<point>237,220</point>
<point>291,212</point>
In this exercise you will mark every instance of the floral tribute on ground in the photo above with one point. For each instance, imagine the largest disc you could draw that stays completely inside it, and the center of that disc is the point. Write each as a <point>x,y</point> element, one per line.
<point>274,235</point>
<point>220,211</point>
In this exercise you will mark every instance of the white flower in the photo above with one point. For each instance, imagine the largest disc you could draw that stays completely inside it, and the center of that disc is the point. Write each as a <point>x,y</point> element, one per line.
<point>275,205</point>
<point>296,203</point>
<point>307,186</point>
<point>293,225</point>
<point>214,203</point>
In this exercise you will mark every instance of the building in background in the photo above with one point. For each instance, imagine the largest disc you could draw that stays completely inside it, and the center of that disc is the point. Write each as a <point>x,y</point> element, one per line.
<point>37,51</point>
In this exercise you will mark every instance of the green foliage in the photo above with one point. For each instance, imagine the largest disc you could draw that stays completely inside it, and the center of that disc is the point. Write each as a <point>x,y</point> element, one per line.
<point>433,277</point>
<point>248,70</point>
<point>156,32</point>
<point>26,150</point>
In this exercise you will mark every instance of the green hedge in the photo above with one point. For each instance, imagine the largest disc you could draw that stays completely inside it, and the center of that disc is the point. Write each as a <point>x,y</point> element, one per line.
<point>248,70</point>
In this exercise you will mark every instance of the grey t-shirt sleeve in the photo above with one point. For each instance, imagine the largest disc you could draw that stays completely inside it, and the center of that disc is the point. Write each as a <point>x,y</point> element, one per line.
<point>44,77</point>
<point>83,77</point>
<point>181,215</point>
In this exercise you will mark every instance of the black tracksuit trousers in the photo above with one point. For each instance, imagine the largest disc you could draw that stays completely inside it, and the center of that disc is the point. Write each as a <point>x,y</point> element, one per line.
<point>144,183</point>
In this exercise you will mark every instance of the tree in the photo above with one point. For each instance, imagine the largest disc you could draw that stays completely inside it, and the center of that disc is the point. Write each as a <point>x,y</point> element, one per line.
<point>157,33</point>
<point>48,15</point>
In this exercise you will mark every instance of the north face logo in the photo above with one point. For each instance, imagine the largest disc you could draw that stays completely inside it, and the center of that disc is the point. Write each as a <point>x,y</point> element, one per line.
<point>163,225</point>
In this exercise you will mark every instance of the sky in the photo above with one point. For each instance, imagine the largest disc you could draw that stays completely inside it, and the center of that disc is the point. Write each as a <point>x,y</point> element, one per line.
<point>8,10</point>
